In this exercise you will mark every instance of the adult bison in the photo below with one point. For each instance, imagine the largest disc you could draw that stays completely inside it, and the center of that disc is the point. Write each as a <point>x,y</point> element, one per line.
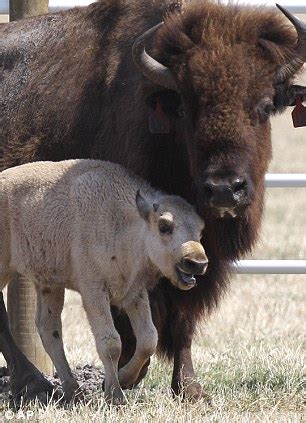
<point>190,114</point>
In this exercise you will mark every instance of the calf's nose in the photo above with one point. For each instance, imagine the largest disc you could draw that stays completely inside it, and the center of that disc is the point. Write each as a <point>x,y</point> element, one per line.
<point>194,266</point>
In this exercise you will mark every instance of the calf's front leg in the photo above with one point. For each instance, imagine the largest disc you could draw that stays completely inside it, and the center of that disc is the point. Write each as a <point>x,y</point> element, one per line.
<point>97,306</point>
<point>139,313</point>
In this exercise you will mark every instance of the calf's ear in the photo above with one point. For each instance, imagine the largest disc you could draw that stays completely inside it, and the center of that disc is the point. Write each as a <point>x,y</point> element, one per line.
<point>143,206</point>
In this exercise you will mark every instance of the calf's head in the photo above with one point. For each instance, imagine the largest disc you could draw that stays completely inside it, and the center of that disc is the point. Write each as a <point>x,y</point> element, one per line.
<point>173,239</point>
<point>226,69</point>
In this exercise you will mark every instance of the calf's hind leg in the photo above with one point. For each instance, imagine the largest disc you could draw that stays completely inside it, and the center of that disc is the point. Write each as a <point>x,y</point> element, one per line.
<point>139,313</point>
<point>50,304</point>
<point>97,305</point>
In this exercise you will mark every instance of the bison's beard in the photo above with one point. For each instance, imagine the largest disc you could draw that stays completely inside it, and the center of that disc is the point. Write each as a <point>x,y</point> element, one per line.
<point>230,238</point>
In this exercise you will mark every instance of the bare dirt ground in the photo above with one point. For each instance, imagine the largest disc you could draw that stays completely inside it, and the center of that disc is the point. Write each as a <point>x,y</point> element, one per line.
<point>250,355</point>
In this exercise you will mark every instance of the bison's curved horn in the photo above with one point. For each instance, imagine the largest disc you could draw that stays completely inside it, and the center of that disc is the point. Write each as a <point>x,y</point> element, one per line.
<point>149,67</point>
<point>300,28</point>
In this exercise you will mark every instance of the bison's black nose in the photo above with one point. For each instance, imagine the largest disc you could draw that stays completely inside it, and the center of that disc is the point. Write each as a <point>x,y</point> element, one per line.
<point>193,266</point>
<point>225,192</point>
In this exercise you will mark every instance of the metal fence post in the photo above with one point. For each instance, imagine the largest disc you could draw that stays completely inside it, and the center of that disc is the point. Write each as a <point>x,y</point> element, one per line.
<point>21,296</point>
<point>22,8</point>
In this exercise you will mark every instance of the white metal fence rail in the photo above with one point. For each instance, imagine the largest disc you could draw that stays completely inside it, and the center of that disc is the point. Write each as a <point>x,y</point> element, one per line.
<point>271,267</point>
<point>276,180</point>
<point>295,6</point>
<point>286,180</point>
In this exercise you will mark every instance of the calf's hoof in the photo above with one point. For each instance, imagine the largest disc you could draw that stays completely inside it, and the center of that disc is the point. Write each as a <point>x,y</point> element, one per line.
<point>141,375</point>
<point>115,396</point>
<point>191,391</point>
<point>126,379</point>
<point>136,381</point>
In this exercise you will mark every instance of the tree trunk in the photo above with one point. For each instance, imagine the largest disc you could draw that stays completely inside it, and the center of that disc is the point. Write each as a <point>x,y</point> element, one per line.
<point>21,295</point>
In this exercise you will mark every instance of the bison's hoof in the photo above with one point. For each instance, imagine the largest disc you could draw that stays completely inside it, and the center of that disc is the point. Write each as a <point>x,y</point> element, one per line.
<point>71,390</point>
<point>194,392</point>
<point>191,391</point>
<point>32,387</point>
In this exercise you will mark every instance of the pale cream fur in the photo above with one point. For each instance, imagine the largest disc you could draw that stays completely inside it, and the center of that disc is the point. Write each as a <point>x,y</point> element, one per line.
<point>75,224</point>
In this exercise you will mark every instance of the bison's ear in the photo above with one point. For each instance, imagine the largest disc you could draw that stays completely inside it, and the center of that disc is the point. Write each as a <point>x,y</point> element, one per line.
<point>143,206</point>
<point>173,41</point>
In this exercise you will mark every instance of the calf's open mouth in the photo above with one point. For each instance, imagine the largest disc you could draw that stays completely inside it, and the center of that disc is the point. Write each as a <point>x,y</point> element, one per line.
<point>186,278</point>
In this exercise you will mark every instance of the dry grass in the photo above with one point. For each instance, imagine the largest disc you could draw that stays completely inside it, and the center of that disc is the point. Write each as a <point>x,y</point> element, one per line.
<point>250,355</point>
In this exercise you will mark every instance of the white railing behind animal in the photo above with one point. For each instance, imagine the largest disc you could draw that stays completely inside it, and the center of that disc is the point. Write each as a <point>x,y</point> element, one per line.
<point>276,180</point>
<point>295,6</point>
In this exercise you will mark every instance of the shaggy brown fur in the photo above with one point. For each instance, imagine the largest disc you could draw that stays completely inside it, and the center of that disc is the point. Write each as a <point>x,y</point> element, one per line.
<point>70,90</point>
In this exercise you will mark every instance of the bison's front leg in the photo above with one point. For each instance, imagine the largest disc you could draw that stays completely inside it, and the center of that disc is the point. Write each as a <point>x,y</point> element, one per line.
<point>25,379</point>
<point>183,377</point>
<point>181,325</point>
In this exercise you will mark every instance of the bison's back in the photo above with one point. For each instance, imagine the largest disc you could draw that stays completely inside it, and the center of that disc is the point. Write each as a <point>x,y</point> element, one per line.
<point>62,73</point>
<point>45,65</point>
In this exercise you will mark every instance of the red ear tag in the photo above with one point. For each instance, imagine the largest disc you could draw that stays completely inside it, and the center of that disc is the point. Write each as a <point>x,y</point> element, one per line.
<point>299,114</point>
<point>159,122</point>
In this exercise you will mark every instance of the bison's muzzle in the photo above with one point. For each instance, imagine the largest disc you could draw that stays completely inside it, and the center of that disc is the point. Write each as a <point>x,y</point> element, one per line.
<point>226,196</point>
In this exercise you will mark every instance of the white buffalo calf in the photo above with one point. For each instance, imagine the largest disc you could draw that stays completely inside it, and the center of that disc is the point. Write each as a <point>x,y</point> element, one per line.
<point>92,227</point>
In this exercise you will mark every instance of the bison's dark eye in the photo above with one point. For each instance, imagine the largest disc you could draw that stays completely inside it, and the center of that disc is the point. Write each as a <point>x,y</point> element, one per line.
<point>165,227</point>
<point>269,109</point>
<point>265,108</point>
